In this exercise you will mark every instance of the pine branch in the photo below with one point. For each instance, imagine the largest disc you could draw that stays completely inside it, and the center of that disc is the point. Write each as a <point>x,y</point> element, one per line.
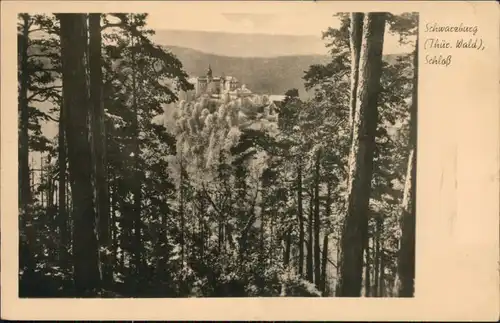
<point>46,115</point>
<point>173,67</point>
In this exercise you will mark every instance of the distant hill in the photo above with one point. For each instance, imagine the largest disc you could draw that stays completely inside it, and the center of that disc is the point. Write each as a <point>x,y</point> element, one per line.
<point>242,45</point>
<point>262,75</point>
<point>273,75</point>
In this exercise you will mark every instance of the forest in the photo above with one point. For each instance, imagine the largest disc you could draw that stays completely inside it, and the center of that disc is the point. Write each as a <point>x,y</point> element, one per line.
<point>142,193</point>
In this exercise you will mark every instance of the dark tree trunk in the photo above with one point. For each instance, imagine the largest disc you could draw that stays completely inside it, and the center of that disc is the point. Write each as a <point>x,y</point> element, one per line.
<point>50,195</point>
<point>300,212</point>
<point>137,209</point>
<point>42,180</point>
<point>356,34</point>
<point>76,110</point>
<point>338,271</point>
<point>126,222</point>
<point>288,243</point>
<point>201,202</point>
<point>271,238</point>
<point>286,257</point>
<point>114,230</point>
<point>376,257</point>
<point>324,260</point>
<point>32,176</point>
<point>381,284</point>
<point>262,234</point>
<point>221,235</point>
<point>361,156</point>
<point>310,242</point>
<point>98,143</point>
<point>182,214</point>
<point>317,243</point>
<point>63,217</point>
<point>69,220</point>
<point>26,257</point>
<point>367,268</point>
<point>406,257</point>
<point>24,168</point>
<point>137,212</point>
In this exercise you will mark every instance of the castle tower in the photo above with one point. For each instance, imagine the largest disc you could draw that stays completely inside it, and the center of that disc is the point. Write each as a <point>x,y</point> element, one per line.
<point>209,72</point>
<point>223,86</point>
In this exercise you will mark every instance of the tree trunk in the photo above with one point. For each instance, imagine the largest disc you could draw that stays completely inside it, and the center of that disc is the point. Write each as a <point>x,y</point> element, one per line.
<point>26,257</point>
<point>262,235</point>
<point>98,143</point>
<point>361,156</point>
<point>182,214</point>
<point>356,34</point>
<point>286,258</point>
<point>310,242</point>
<point>324,258</point>
<point>50,195</point>
<point>201,202</point>
<point>137,250</point>
<point>221,235</point>
<point>32,175</point>
<point>126,225</point>
<point>76,110</point>
<point>406,257</point>
<point>381,284</point>
<point>376,257</point>
<point>271,238</point>
<point>114,230</point>
<point>367,268</point>
<point>63,219</point>
<point>288,243</point>
<point>338,269</point>
<point>24,168</point>
<point>300,212</point>
<point>42,180</point>
<point>317,252</point>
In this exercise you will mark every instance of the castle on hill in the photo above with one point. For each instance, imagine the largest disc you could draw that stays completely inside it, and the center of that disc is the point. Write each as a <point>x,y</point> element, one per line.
<point>216,85</point>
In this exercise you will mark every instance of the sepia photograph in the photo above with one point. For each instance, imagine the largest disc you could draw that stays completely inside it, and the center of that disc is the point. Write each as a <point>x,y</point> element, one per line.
<point>249,160</point>
<point>252,157</point>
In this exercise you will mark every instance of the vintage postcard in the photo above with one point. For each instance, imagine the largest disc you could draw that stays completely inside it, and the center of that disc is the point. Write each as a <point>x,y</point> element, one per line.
<point>251,160</point>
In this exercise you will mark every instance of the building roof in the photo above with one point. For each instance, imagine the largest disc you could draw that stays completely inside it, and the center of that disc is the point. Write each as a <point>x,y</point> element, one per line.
<point>232,79</point>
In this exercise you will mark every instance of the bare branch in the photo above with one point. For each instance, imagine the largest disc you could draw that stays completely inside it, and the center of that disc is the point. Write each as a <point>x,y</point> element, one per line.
<point>49,55</point>
<point>33,30</point>
<point>40,92</point>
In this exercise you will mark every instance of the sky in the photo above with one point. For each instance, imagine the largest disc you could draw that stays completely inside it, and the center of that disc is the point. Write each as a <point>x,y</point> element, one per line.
<point>308,22</point>
<point>292,23</point>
